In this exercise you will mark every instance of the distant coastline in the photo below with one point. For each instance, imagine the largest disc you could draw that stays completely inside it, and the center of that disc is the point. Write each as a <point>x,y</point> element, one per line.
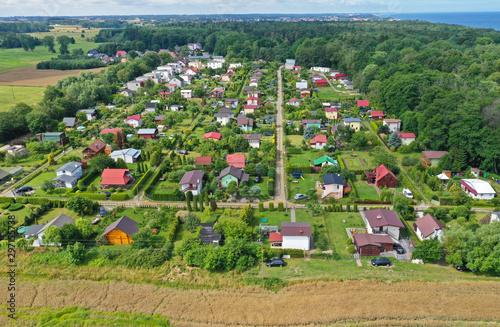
<point>471,19</point>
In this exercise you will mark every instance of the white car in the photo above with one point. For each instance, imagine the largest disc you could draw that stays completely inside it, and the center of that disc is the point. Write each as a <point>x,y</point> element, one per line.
<point>407,193</point>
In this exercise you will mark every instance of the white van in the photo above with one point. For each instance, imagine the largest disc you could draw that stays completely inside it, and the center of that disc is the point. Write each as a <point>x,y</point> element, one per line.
<point>407,193</point>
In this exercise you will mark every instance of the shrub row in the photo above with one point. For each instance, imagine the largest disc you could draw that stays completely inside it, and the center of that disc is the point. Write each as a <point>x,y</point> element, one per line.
<point>341,162</point>
<point>5,199</point>
<point>15,206</point>
<point>409,186</point>
<point>87,179</point>
<point>280,207</point>
<point>270,187</point>
<point>294,150</point>
<point>137,186</point>
<point>298,169</point>
<point>152,182</point>
<point>93,196</point>
<point>119,196</point>
<point>374,126</point>
<point>445,201</point>
<point>168,197</point>
<point>29,179</point>
<point>173,230</point>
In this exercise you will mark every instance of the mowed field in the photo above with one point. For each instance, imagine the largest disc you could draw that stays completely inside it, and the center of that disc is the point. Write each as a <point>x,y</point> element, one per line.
<point>9,96</point>
<point>367,302</point>
<point>18,58</point>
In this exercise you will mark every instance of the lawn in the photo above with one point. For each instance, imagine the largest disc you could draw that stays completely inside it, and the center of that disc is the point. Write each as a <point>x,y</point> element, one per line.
<point>296,140</point>
<point>20,214</point>
<point>307,157</point>
<point>165,187</point>
<point>10,95</point>
<point>307,183</point>
<point>365,190</point>
<point>362,157</point>
<point>337,229</point>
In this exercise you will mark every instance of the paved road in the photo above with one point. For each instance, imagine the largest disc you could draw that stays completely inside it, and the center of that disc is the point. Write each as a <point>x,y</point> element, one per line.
<point>280,194</point>
<point>292,215</point>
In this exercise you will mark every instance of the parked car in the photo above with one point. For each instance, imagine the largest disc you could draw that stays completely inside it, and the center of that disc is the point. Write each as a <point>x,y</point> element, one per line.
<point>95,221</point>
<point>105,192</point>
<point>275,262</point>
<point>267,134</point>
<point>171,137</point>
<point>399,248</point>
<point>102,212</point>
<point>257,179</point>
<point>183,152</point>
<point>162,135</point>
<point>24,189</point>
<point>300,196</point>
<point>463,268</point>
<point>381,262</point>
<point>407,193</point>
<point>289,123</point>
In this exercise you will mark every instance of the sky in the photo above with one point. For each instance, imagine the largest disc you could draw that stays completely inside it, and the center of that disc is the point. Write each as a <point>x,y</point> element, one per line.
<point>169,7</point>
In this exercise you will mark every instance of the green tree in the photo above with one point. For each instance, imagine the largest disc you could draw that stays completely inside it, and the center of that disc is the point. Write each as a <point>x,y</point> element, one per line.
<point>120,164</point>
<point>69,234</point>
<point>51,236</point>
<point>48,186</point>
<point>394,140</point>
<point>247,214</point>
<point>76,253</point>
<point>143,239</point>
<point>38,121</point>
<point>101,162</point>
<point>108,138</point>
<point>48,41</point>
<point>308,133</point>
<point>402,205</point>
<point>80,204</point>
<point>460,161</point>
<point>231,188</point>
<point>446,162</point>
<point>155,159</point>
<point>85,227</point>
<point>430,250</point>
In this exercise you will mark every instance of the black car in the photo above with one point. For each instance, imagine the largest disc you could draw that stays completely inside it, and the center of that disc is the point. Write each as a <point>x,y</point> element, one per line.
<point>105,192</point>
<point>267,134</point>
<point>399,249</point>
<point>24,189</point>
<point>381,262</point>
<point>275,262</point>
<point>463,268</point>
<point>257,179</point>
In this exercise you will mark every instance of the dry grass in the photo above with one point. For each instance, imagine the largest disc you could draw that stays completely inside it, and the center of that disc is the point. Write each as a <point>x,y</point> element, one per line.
<point>375,303</point>
<point>30,76</point>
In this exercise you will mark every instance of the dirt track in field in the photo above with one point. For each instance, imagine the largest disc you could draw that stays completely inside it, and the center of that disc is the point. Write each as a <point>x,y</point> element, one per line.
<point>376,303</point>
<point>30,76</point>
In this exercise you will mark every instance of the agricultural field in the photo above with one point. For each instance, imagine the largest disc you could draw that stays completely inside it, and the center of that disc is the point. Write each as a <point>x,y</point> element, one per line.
<point>10,95</point>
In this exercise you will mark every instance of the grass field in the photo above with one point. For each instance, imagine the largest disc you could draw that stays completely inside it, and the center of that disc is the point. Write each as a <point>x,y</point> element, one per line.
<point>337,229</point>
<point>10,95</point>
<point>364,190</point>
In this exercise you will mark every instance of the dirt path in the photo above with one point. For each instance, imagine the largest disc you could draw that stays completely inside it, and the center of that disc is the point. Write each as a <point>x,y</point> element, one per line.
<point>280,164</point>
<point>302,304</point>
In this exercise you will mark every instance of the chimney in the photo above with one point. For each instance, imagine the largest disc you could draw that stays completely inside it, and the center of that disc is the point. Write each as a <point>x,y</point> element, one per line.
<point>301,231</point>
<point>379,216</point>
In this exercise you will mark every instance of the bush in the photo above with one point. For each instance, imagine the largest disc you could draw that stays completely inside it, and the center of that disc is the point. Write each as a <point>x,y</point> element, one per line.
<point>168,196</point>
<point>111,189</point>
<point>15,207</point>
<point>5,206</point>
<point>280,207</point>
<point>119,196</point>
<point>294,150</point>
<point>349,241</point>
<point>271,173</point>
<point>118,190</point>
<point>152,182</point>
<point>271,206</point>
<point>261,206</point>
<point>93,196</point>
<point>7,200</point>
<point>350,249</point>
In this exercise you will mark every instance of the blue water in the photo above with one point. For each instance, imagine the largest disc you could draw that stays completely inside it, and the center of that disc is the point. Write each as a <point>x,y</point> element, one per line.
<point>471,19</point>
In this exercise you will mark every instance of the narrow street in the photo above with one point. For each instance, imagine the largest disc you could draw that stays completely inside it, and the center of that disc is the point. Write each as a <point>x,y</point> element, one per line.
<point>280,194</point>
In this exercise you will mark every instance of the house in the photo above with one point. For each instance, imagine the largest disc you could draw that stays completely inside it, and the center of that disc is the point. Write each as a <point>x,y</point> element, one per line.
<point>363,103</point>
<point>245,124</point>
<point>474,171</point>
<point>164,93</point>
<point>321,69</point>
<point>311,122</point>
<point>233,103</point>
<point>249,109</point>
<point>159,119</point>
<point>69,121</point>
<point>68,174</point>
<point>192,181</point>
<point>59,222</point>
<point>223,116</point>
<point>477,189</point>
<point>394,124</point>
<point>134,85</point>
<point>121,54</point>
<point>339,76</point>
<point>32,230</point>
<point>235,65</point>
<point>382,221</point>
<point>194,46</point>
<point>301,85</point>
<point>116,178</point>
<point>276,240</point>
<point>126,92</point>
<point>296,235</point>
<point>94,149</point>
<point>16,150</point>
<point>322,82</point>
<point>217,93</point>
<point>431,158</point>
<point>332,113</point>
<point>187,94</point>
<point>353,123</point>
<point>333,186</point>
<point>289,63</point>
<point>116,131</point>
<point>89,113</point>
<point>191,70</point>
<point>318,142</point>
<point>121,231</point>
<point>253,93</point>
<point>253,140</point>
<point>212,135</point>
<point>407,138</point>
<point>324,161</point>
<point>349,85</point>
<point>4,176</point>
<point>203,161</point>
<point>214,64</point>
<point>134,121</point>
<point>226,78</point>
<point>382,177</point>
<point>495,216</point>
<point>231,173</point>
<point>147,133</point>
<point>428,227</point>
<point>150,107</point>
<point>305,93</point>
<point>236,160</point>
<point>372,245</point>
<point>294,102</point>
<point>128,155</point>
<point>59,138</point>
<point>176,107</point>
<point>377,114</point>
<point>208,235</point>
<point>252,101</point>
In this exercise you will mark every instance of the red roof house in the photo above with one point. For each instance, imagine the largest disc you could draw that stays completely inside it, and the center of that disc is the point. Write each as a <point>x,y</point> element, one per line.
<point>203,161</point>
<point>116,178</point>
<point>382,221</point>
<point>212,135</point>
<point>428,227</point>
<point>321,82</point>
<point>382,177</point>
<point>276,240</point>
<point>236,160</point>
<point>319,141</point>
<point>363,103</point>
<point>121,53</point>
<point>377,115</point>
<point>111,130</point>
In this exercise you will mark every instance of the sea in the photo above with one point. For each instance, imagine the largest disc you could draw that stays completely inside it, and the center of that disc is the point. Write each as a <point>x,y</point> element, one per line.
<point>471,19</point>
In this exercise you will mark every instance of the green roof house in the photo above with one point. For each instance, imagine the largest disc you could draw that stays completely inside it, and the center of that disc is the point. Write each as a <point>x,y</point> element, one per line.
<point>325,160</point>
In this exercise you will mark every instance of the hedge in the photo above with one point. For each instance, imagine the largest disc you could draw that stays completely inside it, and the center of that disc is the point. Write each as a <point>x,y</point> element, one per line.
<point>261,206</point>
<point>119,196</point>
<point>53,202</point>
<point>271,206</point>
<point>446,201</point>
<point>168,197</point>
<point>89,176</point>
<point>409,186</point>
<point>153,181</point>
<point>374,126</point>
<point>280,207</point>
<point>270,187</point>
<point>271,173</point>
<point>294,150</point>
<point>340,161</point>
<point>28,179</point>
<point>298,169</point>
<point>93,196</point>
<point>171,234</point>
<point>5,199</point>
<point>135,189</point>
<point>15,206</point>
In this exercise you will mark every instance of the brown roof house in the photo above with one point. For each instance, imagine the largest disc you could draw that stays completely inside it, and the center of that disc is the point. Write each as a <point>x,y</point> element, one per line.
<point>382,221</point>
<point>372,245</point>
<point>192,181</point>
<point>428,227</point>
<point>296,235</point>
<point>431,158</point>
<point>94,149</point>
<point>121,231</point>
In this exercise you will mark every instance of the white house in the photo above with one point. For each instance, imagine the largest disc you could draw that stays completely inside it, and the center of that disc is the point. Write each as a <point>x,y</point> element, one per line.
<point>253,140</point>
<point>318,142</point>
<point>333,186</point>
<point>321,69</point>
<point>195,46</point>
<point>478,189</point>
<point>176,107</point>
<point>289,63</point>
<point>394,124</point>
<point>428,227</point>
<point>294,102</point>
<point>382,221</point>
<point>187,94</point>
<point>134,121</point>
<point>296,235</point>
<point>301,85</point>
<point>59,221</point>
<point>223,117</point>
<point>235,65</point>
<point>68,174</point>
<point>214,64</point>
<point>495,216</point>
<point>89,113</point>
<point>192,181</point>
<point>407,138</point>
<point>128,155</point>
<point>134,85</point>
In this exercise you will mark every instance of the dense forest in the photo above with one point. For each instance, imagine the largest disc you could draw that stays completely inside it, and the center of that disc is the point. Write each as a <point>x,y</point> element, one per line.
<point>441,80</point>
